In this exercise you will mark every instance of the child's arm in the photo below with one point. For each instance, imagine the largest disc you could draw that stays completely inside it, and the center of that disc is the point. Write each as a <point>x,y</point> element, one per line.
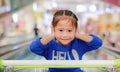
<point>92,41</point>
<point>39,46</point>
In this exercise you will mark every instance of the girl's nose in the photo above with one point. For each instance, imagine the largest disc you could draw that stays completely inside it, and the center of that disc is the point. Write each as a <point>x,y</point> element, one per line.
<point>65,33</point>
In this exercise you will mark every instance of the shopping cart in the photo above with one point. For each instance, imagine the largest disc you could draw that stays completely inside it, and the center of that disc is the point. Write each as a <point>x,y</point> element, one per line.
<point>13,65</point>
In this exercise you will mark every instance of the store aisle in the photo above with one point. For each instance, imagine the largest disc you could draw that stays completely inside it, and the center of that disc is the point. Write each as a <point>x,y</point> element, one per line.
<point>16,39</point>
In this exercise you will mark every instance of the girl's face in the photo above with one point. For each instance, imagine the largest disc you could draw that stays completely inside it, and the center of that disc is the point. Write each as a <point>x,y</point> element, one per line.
<point>64,32</point>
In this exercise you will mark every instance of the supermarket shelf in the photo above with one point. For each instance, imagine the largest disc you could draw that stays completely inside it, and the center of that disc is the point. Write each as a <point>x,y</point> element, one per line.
<point>7,50</point>
<point>112,51</point>
<point>16,41</point>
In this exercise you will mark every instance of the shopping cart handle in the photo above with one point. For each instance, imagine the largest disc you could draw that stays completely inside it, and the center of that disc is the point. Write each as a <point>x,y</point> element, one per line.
<point>60,63</point>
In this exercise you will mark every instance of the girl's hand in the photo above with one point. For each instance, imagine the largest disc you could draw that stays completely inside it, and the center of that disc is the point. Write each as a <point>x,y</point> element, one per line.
<point>47,39</point>
<point>83,37</point>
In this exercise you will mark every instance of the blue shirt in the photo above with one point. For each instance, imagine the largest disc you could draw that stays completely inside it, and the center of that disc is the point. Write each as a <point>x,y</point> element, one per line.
<point>55,51</point>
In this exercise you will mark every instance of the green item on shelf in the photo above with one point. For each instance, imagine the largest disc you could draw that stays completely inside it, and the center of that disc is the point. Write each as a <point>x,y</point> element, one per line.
<point>1,65</point>
<point>118,63</point>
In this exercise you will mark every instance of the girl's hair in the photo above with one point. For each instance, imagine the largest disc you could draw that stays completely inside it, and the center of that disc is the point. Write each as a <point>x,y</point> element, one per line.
<point>64,14</point>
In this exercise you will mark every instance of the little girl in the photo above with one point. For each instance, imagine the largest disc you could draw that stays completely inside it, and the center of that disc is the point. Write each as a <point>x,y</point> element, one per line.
<point>65,42</point>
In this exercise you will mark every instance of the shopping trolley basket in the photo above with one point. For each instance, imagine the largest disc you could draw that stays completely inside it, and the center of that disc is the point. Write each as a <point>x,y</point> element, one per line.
<point>109,65</point>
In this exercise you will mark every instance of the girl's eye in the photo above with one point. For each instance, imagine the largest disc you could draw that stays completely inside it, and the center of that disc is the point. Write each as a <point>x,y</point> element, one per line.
<point>69,30</point>
<point>60,30</point>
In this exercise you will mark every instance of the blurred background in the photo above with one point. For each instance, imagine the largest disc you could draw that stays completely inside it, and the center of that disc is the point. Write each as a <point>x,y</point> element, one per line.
<point>21,21</point>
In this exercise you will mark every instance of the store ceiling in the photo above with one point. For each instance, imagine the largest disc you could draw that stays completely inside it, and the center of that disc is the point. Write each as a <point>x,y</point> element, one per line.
<point>71,4</point>
<point>68,4</point>
<point>77,1</point>
<point>71,1</point>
